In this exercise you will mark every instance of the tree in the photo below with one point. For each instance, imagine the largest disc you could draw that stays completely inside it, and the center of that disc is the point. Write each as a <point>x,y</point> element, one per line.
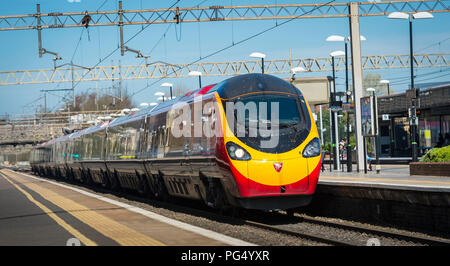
<point>373,81</point>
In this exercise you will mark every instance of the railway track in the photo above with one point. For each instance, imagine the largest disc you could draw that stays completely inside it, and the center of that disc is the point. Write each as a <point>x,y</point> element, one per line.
<point>430,241</point>
<point>253,219</point>
<point>374,233</point>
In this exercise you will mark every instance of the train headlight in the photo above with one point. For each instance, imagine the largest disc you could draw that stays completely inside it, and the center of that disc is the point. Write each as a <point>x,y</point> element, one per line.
<point>236,152</point>
<point>312,149</point>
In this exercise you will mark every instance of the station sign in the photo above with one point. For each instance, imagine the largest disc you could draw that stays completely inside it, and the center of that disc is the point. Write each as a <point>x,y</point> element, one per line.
<point>385,117</point>
<point>368,116</point>
<point>336,106</point>
<point>348,107</point>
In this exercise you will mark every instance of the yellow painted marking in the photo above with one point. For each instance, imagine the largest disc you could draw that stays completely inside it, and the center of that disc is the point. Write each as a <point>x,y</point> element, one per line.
<point>86,241</point>
<point>403,181</point>
<point>118,232</point>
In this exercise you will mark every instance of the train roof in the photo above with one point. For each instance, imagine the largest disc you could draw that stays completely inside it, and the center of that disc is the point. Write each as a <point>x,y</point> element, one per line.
<point>226,89</point>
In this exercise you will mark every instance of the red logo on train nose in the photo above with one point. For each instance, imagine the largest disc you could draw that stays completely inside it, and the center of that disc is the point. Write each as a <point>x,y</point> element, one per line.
<point>278,166</point>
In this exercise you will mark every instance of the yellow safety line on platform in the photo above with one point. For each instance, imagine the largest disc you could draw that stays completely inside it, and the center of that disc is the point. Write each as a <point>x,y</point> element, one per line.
<point>401,181</point>
<point>86,241</point>
<point>118,232</point>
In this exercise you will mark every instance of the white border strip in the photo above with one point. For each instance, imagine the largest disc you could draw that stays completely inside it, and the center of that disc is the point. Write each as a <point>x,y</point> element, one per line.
<point>195,229</point>
<point>421,187</point>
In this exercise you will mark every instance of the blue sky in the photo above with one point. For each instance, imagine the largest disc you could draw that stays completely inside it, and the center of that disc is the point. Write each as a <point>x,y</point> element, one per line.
<point>306,38</point>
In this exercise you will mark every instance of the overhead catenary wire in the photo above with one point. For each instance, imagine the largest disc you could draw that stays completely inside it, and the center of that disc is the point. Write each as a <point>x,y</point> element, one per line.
<point>421,77</point>
<point>237,43</point>
<point>433,44</point>
<point>131,38</point>
<point>111,53</point>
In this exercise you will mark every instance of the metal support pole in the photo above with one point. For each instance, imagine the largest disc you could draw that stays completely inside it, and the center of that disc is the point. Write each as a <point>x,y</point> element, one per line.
<point>355,43</point>
<point>331,126</point>
<point>45,102</point>
<point>336,140</point>
<point>73,87</point>
<point>411,55</point>
<point>365,155</point>
<point>349,149</point>
<point>262,65</point>
<point>200,81</point>
<point>321,124</point>
<point>333,120</point>
<point>122,47</point>
<point>377,134</point>
<point>413,100</point>
<point>39,28</point>
<point>171,96</point>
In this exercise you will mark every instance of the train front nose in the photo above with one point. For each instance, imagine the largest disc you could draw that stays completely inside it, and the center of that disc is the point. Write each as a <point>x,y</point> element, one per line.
<point>277,177</point>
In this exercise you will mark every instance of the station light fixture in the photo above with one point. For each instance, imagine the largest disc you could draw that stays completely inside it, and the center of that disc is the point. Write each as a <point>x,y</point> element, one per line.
<point>337,53</point>
<point>199,74</point>
<point>411,17</point>
<point>385,81</point>
<point>338,38</point>
<point>370,89</point>
<point>170,85</point>
<point>296,70</point>
<point>335,38</point>
<point>161,95</point>
<point>261,56</point>
<point>402,15</point>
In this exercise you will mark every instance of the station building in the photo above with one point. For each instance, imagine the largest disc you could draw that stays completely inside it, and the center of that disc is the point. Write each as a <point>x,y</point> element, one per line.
<point>433,111</point>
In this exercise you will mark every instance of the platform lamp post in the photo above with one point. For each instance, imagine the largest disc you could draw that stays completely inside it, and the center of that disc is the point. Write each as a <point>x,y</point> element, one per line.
<point>338,38</point>
<point>199,74</point>
<point>410,17</point>
<point>161,95</point>
<point>296,70</point>
<point>259,55</point>
<point>170,85</point>
<point>377,135</point>
<point>334,113</point>
<point>385,81</point>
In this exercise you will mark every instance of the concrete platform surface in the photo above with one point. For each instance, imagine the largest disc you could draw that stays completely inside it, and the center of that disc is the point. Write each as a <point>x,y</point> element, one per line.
<point>35,211</point>
<point>390,176</point>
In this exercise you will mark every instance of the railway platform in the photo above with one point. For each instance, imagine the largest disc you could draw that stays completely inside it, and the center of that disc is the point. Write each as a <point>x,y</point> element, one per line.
<point>390,176</point>
<point>391,197</point>
<point>36,211</point>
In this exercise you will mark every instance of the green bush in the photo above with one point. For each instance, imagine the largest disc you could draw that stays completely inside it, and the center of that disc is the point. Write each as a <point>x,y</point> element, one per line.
<point>327,147</point>
<point>437,155</point>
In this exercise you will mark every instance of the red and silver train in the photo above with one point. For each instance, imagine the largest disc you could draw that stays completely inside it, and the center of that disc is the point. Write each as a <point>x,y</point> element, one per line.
<point>229,168</point>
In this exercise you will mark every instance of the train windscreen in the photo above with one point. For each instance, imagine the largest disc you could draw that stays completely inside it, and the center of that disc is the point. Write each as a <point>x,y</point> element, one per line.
<point>269,122</point>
